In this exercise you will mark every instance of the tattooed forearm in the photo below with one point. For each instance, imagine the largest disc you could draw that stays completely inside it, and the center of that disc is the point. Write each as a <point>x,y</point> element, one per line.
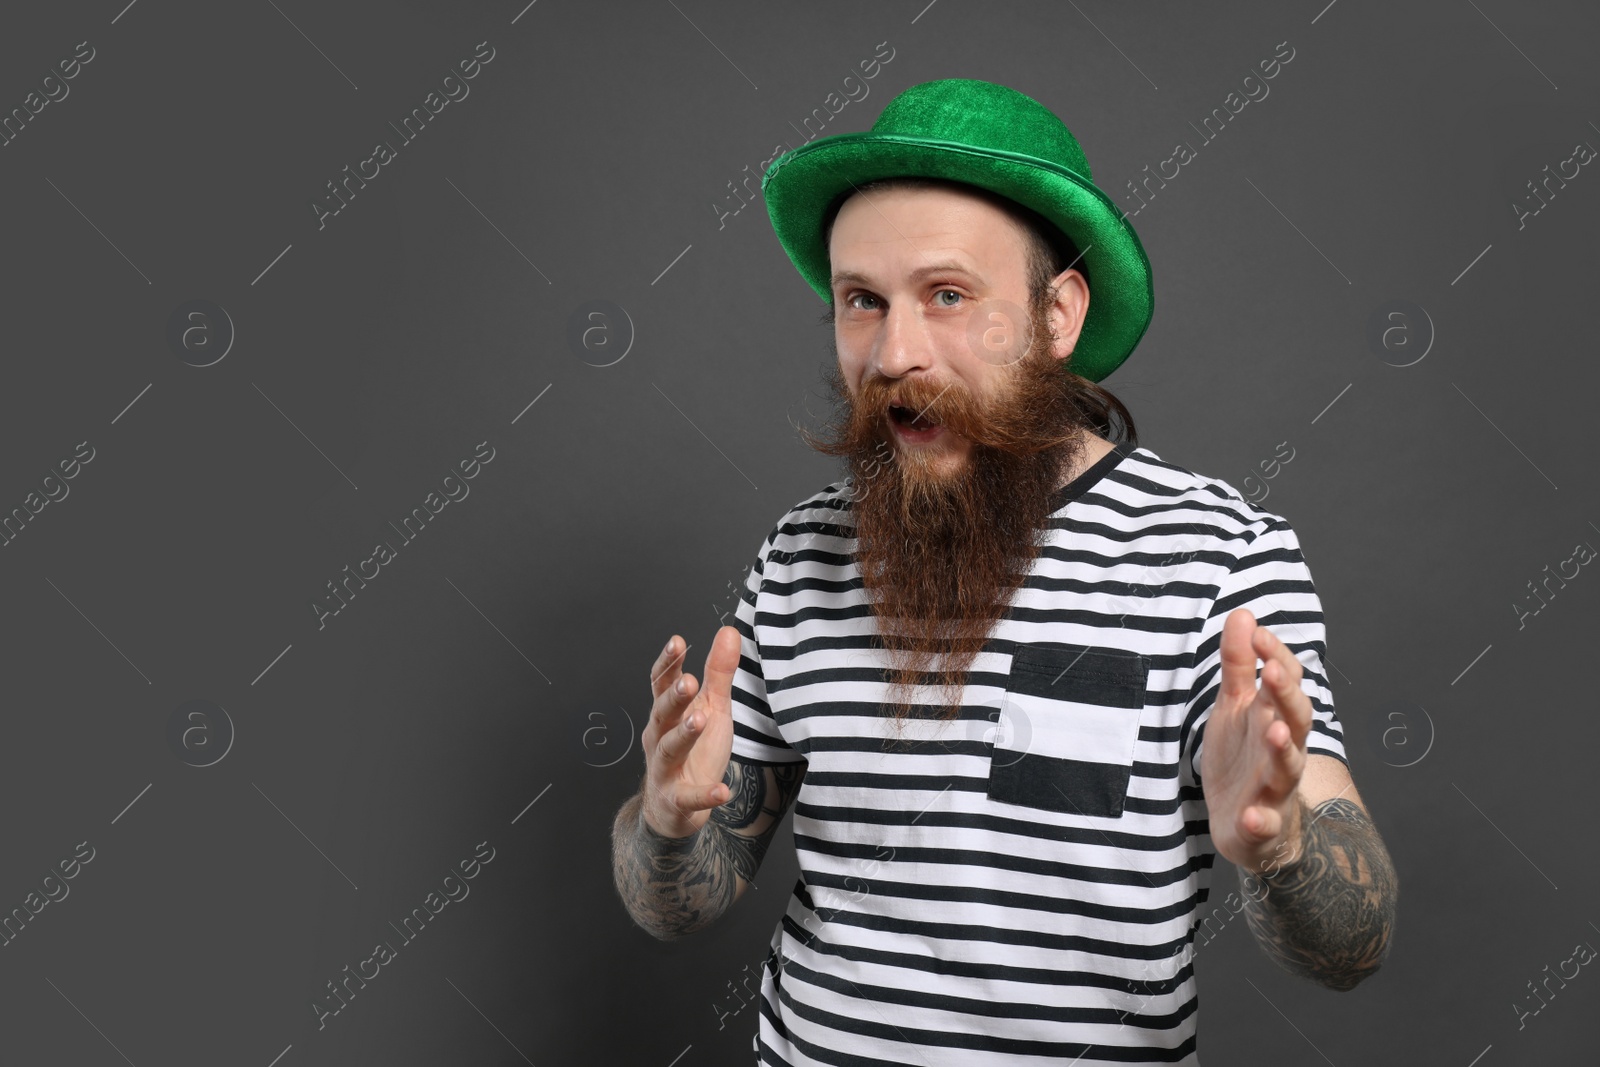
<point>671,886</point>
<point>1328,912</point>
<point>675,886</point>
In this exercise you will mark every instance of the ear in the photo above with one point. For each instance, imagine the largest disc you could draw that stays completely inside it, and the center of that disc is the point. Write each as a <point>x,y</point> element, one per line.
<point>1068,312</point>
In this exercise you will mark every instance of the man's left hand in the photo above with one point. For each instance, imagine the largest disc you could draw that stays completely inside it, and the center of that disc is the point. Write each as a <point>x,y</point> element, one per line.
<point>1254,749</point>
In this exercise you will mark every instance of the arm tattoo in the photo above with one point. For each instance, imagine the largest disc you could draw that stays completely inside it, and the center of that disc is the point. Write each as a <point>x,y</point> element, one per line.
<point>1327,914</point>
<point>673,886</point>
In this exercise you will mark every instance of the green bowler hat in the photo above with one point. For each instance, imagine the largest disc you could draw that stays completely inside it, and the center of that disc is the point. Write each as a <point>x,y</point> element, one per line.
<point>990,136</point>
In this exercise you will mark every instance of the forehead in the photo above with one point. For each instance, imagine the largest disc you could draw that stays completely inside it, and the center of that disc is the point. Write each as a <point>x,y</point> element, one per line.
<point>907,227</point>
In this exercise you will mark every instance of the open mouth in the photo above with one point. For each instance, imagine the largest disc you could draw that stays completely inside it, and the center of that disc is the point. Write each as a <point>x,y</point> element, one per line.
<point>909,419</point>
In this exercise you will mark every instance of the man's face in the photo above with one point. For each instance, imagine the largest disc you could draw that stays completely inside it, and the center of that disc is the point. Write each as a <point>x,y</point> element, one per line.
<point>959,420</point>
<point>931,317</point>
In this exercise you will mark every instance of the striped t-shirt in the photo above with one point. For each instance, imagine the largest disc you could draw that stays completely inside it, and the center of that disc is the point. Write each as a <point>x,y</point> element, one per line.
<point>1022,884</point>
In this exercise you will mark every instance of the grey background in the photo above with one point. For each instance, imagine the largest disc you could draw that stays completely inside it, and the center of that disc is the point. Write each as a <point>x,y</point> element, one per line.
<point>501,660</point>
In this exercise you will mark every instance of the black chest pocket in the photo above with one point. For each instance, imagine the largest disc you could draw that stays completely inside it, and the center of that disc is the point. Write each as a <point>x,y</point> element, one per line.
<point>1068,725</point>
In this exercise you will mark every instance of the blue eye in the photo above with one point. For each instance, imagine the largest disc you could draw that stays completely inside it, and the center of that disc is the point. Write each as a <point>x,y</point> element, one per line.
<point>851,300</point>
<point>953,293</point>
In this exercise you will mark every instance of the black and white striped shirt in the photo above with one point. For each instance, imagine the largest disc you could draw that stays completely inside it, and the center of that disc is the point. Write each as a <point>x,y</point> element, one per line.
<point>1020,885</point>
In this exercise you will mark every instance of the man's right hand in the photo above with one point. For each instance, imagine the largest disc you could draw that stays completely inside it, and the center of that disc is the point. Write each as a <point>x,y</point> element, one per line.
<point>689,738</point>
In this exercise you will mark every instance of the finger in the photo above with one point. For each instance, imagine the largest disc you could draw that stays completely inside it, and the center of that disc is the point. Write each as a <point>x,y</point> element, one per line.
<point>675,744</point>
<point>664,671</point>
<point>1259,824</point>
<point>1238,657</point>
<point>1271,649</point>
<point>712,796</point>
<point>667,710</point>
<point>1286,761</point>
<point>684,797</point>
<point>1281,676</point>
<point>681,800</point>
<point>722,662</point>
<point>667,684</point>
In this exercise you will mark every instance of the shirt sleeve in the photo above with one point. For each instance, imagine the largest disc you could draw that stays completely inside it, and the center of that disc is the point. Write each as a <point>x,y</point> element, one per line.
<point>1270,579</point>
<point>756,736</point>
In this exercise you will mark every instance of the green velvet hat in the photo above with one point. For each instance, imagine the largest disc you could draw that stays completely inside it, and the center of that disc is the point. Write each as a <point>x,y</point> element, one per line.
<point>986,135</point>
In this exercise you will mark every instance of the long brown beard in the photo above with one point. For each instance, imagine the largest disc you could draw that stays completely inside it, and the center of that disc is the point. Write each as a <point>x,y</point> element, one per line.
<point>941,555</point>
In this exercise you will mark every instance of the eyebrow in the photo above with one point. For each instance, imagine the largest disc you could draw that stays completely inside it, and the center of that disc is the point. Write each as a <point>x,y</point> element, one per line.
<point>946,267</point>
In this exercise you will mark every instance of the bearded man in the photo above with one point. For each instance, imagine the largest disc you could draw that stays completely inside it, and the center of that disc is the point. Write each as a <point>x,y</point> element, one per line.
<point>1005,670</point>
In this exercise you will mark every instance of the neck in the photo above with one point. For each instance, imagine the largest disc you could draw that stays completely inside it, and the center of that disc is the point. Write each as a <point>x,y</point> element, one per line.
<point>1095,449</point>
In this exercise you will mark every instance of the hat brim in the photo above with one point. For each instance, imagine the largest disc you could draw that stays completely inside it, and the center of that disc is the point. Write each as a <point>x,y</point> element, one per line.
<point>800,186</point>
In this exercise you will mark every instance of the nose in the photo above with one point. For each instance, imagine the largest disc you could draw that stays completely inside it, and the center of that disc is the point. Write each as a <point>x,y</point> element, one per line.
<point>903,345</point>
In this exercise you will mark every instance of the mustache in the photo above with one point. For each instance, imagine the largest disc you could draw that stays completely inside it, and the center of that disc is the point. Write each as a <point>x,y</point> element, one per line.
<point>1037,403</point>
<point>1018,419</point>
<point>948,403</point>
